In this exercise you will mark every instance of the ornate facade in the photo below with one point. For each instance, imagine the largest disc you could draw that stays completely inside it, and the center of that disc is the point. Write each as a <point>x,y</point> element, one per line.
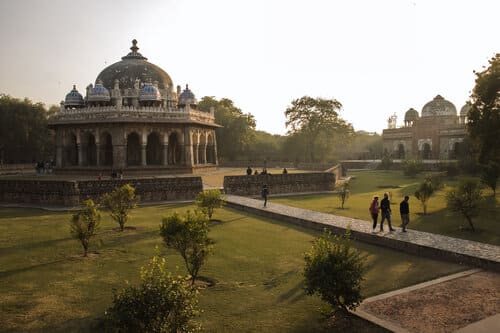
<point>133,120</point>
<point>435,134</point>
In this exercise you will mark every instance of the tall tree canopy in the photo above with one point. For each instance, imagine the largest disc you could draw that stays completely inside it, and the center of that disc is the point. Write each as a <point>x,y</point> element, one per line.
<point>24,135</point>
<point>315,118</point>
<point>484,116</point>
<point>238,132</point>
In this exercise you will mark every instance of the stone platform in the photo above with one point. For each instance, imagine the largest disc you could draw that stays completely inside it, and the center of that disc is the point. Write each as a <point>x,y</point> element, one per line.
<point>456,250</point>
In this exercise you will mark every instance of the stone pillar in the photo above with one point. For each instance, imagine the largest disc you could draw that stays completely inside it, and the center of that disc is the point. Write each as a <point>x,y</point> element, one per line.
<point>119,156</point>
<point>204,154</point>
<point>165,155</point>
<point>98,154</point>
<point>216,160</point>
<point>143,155</point>
<point>79,151</point>
<point>188,148</point>
<point>59,156</point>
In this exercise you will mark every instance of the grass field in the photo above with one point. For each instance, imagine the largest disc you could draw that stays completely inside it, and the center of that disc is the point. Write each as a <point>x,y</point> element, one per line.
<point>439,220</point>
<point>46,286</point>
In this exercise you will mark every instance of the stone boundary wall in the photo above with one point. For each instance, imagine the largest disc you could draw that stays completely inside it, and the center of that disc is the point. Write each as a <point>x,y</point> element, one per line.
<point>279,183</point>
<point>72,193</point>
<point>258,165</point>
<point>427,165</point>
<point>6,169</point>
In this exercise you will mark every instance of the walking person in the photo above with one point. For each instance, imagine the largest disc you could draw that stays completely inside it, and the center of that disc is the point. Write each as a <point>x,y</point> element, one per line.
<point>385,208</point>
<point>374,209</point>
<point>404,210</point>
<point>265,193</point>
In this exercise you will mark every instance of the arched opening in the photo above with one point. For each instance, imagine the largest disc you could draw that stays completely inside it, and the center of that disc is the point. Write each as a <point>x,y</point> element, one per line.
<point>426,152</point>
<point>90,150</point>
<point>153,150</point>
<point>174,149</point>
<point>133,149</point>
<point>401,151</point>
<point>106,152</point>
<point>202,146</point>
<point>195,148</point>
<point>456,150</point>
<point>72,151</point>
<point>210,149</point>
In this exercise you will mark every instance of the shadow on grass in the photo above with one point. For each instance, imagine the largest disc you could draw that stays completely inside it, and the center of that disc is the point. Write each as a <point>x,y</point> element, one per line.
<point>294,294</point>
<point>11,272</point>
<point>34,246</point>
<point>16,212</point>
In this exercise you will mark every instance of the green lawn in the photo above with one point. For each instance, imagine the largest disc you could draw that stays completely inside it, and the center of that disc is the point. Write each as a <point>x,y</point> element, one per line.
<point>439,220</point>
<point>46,286</point>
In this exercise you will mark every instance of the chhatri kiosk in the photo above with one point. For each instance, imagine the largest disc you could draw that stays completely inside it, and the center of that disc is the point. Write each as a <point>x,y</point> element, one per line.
<point>133,120</point>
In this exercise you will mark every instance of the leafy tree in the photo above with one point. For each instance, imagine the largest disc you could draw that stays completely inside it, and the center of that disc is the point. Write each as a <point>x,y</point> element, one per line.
<point>161,303</point>
<point>120,202</point>
<point>84,224</point>
<point>465,199</point>
<point>343,190</point>
<point>209,200</point>
<point>24,135</point>
<point>489,175</point>
<point>314,116</point>
<point>189,236</point>
<point>426,190</point>
<point>484,116</point>
<point>238,131</point>
<point>334,271</point>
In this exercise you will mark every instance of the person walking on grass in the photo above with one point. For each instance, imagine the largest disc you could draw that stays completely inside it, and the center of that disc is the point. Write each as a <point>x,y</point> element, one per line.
<point>404,210</point>
<point>264,194</point>
<point>385,208</point>
<point>374,209</point>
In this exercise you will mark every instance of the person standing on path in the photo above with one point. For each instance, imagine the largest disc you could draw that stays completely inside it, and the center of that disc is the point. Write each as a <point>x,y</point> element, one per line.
<point>374,209</point>
<point>265,193</point>
<point>385,207</point>
<point>404,210</point>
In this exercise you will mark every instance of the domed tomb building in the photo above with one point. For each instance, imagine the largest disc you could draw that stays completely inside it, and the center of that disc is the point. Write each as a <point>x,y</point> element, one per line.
<point>133,120</point>
<point>435,134</point>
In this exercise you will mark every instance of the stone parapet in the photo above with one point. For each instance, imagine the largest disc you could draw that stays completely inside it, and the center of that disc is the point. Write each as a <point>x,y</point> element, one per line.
<point>72,193</point>
<point>280,183</point>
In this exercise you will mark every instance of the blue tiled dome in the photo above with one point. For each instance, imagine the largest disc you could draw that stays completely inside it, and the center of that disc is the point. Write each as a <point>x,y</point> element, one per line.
<point>149,93</point>
<point>74,99</point>
<point>99,94</point>
<point>187,97</point>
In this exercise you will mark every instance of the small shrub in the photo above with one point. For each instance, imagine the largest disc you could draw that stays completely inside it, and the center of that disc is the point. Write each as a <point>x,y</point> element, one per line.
<point>161,303</point>
<point>426,189</point>
<point>386,162</point>
<point>189,236</point>
<point>84,224</point>
<point>450,169</point>
<point>343,191</point>
<point>334,270</point>
<point>209,200</point>
<point>120,202</point>
<point>411,168</point>
<point>465,199</point>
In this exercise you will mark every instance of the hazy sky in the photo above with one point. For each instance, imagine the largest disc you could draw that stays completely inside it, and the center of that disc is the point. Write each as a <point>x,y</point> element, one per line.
<point>376,57</point>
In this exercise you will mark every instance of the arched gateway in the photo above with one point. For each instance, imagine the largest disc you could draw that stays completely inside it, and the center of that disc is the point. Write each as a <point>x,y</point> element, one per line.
<point>133,119</point>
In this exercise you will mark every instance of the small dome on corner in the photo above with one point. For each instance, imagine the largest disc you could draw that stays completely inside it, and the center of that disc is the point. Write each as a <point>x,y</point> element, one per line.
<point>99,93</point>
<point>149,93</point>
<point>187,97</point>
<point>74,98</point>
<point>411,115</point>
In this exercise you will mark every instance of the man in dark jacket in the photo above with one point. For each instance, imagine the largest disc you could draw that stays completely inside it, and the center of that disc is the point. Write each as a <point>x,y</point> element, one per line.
<point>404,210</point>
<point>385,208</point>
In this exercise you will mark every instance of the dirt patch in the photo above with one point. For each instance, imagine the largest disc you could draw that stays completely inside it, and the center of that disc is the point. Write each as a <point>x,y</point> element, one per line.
<point>444,307</point>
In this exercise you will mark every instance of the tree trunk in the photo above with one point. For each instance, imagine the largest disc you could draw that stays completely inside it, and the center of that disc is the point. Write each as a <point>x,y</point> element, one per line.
<point>469,219</point>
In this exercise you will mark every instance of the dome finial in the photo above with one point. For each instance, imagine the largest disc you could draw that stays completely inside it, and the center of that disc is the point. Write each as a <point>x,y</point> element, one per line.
<point>134,47</point>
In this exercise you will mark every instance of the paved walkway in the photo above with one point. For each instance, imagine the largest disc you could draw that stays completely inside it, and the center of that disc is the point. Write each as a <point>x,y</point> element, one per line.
<point>417,242</point>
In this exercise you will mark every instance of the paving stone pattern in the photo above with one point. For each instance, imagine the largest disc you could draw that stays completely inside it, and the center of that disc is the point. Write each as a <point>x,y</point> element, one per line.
<point>415,242</point>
